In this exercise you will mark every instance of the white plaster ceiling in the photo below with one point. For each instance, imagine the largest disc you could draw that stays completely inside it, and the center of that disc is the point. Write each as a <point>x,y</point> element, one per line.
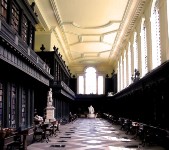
<point>91,32</point>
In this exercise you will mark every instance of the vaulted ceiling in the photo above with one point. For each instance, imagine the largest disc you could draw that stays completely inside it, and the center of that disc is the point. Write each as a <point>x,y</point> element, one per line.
<point>90,32</point>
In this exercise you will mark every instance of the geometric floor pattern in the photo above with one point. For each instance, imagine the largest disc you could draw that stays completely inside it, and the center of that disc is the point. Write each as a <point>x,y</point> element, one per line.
<point>91,134</point>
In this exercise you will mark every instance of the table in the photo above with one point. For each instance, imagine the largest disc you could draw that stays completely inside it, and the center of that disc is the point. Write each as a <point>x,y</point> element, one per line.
<point>4,142</point>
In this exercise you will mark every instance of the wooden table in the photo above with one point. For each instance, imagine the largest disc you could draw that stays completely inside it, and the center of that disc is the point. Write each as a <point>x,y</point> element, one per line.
<point>4,142</point>
<point>25,133</point>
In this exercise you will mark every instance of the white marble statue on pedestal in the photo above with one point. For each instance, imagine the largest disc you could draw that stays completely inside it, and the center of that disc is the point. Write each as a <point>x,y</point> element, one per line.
<point>91,109</point>
<point>50,110</point>
<point>91,112</point>
<point>49,98</point>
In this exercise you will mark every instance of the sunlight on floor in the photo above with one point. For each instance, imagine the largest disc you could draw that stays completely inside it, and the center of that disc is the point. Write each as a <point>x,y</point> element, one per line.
<point>119,148</point>
<point>116,139</point>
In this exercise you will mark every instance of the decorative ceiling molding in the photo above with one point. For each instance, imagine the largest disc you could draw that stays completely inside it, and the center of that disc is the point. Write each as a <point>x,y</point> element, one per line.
<point>90,54</point>
<point>58,18</point>
<point>43,22</point>
<point>90,38</point>
<point>74,43</point>
<point>56,12</point>
<point>135,17</point>
<point>95,27</point>
<point>129,27</point>
<point>39,27</point>
<point>89,61</point>
<point>100,37</point>
<point>107,43</point>
<point>94,33</point>
<point>110,32</point>
<point>120,29</point>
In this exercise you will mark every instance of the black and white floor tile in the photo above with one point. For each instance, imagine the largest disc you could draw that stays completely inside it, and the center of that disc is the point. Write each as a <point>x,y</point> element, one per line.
<point>91,134</point>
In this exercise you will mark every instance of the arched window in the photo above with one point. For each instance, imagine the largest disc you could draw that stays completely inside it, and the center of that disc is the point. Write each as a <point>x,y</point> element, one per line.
<point>118,76</point>
<point>129,63</point>
<point>90,82</point>
<point>125,69</point>
<point>90,76</point>
<point>135,50</point>
<point>121,72</point>
<point>155,26</point>
<point>144,48</point>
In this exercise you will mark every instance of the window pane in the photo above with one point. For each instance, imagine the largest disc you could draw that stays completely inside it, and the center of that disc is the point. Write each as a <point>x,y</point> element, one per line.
<point>81,85</point>
<point>90,81</point>
<point>156,45</point>
<point>100,84</point>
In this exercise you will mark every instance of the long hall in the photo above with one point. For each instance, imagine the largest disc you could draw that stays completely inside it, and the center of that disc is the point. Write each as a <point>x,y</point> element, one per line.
<point>92,134</point>
<point>59,58</point>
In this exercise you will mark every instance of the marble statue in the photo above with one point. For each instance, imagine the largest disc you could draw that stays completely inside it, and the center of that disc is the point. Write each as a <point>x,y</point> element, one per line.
<point>49,98</point>
<point>91,109</point>
<point>50,109</point>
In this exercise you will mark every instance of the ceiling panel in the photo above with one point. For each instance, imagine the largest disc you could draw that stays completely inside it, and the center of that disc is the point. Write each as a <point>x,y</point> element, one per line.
<point>89,31</point>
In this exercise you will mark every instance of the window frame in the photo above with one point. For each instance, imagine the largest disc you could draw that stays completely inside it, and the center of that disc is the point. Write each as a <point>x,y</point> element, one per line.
<point>83,77</point>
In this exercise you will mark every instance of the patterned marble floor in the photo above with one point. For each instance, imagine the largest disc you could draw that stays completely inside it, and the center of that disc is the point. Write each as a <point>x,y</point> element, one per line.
<point>91,134</point>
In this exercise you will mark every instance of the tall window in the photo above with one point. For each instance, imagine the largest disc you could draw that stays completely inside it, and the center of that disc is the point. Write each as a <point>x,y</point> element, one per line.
<point>121,72</point>
<point>90,77</point>
<point>81,84</point>
<point>125,69</point>
<point>129,64</point>
<point>118,76</point>
<point>144,48</point>
<point>135,46</point>
<point>155,26</point>
<point>1,103</point>
<point>100,85</point>
<point>90,82</point>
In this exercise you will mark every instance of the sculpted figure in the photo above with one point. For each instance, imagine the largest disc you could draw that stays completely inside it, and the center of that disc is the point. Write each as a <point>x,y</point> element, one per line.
<point>49,98</point>
<point>91,109</point>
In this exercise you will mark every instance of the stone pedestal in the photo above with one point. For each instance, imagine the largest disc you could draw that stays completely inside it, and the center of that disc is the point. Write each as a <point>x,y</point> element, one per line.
<point>91,116</point>
<point>50,113</point>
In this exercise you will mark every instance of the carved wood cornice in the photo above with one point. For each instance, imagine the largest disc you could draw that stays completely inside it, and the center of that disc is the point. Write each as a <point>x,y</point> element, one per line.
<point>58,18</point>
<point>17,53</point>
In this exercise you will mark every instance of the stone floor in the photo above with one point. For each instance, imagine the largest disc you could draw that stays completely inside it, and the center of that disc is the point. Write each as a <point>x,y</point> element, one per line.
<point>91,134</point>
